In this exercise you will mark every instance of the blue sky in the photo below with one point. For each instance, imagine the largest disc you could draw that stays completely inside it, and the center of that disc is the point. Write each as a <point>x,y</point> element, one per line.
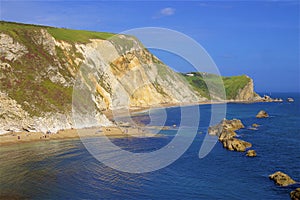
<point>257,38</point>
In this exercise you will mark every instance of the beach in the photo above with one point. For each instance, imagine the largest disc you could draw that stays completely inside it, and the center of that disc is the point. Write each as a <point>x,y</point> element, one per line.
<point>64,168</point>
<point>111,132</point>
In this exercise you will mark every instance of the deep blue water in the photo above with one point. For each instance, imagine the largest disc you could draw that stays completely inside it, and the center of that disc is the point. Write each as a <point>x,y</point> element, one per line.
<point>65,169</point>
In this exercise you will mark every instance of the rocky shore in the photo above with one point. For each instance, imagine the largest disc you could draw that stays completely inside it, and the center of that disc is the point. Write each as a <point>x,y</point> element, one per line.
<point>225,131</point>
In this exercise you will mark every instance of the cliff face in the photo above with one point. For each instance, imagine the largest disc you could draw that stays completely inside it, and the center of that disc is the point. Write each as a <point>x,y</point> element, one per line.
<point>40,65</point>
<point>44,71</point>
<point>247,93</point>
<point>237,88</point>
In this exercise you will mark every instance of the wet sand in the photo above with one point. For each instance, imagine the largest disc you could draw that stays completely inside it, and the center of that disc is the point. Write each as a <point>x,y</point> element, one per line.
<point>111,132</point>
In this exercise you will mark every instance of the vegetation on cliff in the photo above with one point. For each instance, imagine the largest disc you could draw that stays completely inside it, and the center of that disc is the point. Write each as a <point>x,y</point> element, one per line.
<point>39,66</point>
<point>68,35</point>
<point>232,85</point>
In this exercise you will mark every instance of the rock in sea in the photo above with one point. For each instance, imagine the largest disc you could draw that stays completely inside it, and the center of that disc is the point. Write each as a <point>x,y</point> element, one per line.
<point>225,131</point>
<point>233,125</point>
<point>290,99</point>
<point>235,144</point>
<point>251,153</point>
<point>295,195</point>
<point>262,114</point>
<point>282,179</point>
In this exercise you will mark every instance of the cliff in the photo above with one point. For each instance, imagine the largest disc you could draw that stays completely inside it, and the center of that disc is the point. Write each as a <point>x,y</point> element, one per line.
<point>39,67</point>
<point>47,73</point>
<point>237,88</point>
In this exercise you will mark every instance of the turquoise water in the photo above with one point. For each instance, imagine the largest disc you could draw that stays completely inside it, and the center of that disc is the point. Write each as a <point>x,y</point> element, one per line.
<point>65,170</point>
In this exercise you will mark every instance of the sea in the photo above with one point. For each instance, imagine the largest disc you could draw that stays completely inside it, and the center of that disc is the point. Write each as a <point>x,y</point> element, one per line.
<point>64,169</point>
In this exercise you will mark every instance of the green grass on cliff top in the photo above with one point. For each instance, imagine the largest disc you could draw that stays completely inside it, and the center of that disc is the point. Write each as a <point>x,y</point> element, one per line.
<point>232,84</point>
<point>68,35</point>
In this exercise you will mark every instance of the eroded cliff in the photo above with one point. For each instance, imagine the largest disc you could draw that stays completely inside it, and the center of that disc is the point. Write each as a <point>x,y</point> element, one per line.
<point>237,88</point>
<point>40,65</point>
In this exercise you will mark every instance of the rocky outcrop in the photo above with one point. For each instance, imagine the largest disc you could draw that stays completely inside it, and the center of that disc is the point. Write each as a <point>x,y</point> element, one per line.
<point>225,132</point>
<point>251,153</point>
<point>12,116</point>
<point>225,125</point>
<point>267,98</point>
<point>295,194</point>
<point>247,92</point>
<point>235,144</point>
<point>262,114</point>
<point>131,76</point>
<point>10,49</point>
<point>282,179</point>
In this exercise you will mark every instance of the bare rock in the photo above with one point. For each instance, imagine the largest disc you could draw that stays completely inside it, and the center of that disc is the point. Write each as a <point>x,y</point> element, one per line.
<point>226,134</point>
<point>262,114</point>
<point>255,125</point>
<point>10,49</point>
<point>235,144</point>
<point>44,39</point>
<point>295,195</point>
<point>282,179</point>
<point>232,125</point>
<point>225,131</point>
<point>251,153</point>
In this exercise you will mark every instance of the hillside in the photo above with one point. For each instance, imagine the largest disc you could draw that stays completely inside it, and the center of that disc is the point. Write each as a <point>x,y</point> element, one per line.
<point>237,88</point>
<point>46,73</point>
<point>40,65</point>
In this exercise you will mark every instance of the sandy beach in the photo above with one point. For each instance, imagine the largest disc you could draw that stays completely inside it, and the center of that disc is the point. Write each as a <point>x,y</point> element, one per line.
<point>111,132</point>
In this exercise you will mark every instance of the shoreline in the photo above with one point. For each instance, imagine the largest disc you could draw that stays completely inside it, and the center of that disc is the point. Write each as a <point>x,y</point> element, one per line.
<point>110,131</point>
<point>137,110</point>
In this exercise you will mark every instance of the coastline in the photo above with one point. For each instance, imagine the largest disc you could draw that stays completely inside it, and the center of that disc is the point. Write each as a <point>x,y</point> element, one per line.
<point>111,132</point>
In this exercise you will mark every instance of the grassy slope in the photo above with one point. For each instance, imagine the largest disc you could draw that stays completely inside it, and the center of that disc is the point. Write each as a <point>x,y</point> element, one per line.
<point>71,36</point>
<point>231,84</point>
<point>27,81</point>
<point>21,82</point>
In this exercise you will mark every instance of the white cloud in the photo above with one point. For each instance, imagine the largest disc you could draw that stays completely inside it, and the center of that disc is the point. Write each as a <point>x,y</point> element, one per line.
<point>164,13</point>
<point>167,11</point>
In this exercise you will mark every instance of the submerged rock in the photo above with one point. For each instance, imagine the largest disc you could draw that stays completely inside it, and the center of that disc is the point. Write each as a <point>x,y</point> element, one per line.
<point>278,100</point>
<point>282,179</point>
<point>290,99</point>
<point>255,125</point>
<point>262,114</point>
<point>267,98</point>
<point>251,153</point>
<point>295,195</point>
